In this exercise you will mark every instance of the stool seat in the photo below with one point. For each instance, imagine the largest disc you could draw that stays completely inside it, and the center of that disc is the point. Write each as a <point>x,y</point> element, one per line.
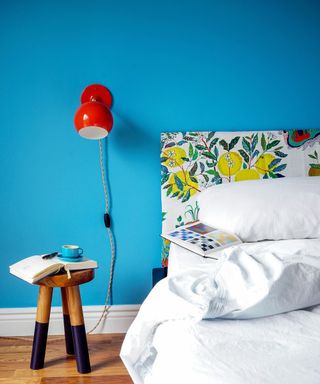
<point>74,329</point>
<point>62,280</point>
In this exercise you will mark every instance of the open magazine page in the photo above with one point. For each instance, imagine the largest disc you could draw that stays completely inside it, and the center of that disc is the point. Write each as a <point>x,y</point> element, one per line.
<point>202,238</point>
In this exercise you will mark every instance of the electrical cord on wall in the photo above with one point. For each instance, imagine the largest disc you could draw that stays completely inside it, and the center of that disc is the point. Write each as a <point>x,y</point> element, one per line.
<point>107,223</point>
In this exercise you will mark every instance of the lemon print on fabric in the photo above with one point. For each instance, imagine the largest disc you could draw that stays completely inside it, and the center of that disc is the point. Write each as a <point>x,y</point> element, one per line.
<point>247,174</point>
<point>315,166</point>
<point>262,164</point>
<point>229,163</point>
<point>175,157</point>
<point>314,172</point>
<point>181,182</point>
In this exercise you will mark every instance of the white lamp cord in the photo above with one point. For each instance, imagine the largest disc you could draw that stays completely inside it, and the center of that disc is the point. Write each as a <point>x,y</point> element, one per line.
<point>111,240</point>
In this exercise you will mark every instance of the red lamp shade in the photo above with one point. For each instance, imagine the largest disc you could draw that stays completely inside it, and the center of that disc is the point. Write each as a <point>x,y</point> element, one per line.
<point>93,119</point>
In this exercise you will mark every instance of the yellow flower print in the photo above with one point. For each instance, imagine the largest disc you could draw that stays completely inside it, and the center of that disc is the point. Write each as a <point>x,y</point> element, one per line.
<point>175,157</point>
<point>247,174</point>
<point>166,242</point>
<point>181,182</point>
<point>262,164</point>
<point>229,163</point>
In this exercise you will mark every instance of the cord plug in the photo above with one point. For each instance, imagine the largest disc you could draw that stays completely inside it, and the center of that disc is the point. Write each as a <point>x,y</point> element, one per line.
<point>107,220</point>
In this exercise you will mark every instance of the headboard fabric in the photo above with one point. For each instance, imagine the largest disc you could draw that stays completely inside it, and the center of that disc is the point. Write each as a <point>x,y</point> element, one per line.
<point>194,161</point>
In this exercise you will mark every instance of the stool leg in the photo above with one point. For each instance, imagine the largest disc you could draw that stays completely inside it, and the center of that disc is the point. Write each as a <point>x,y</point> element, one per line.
<point>66,323</point>
<point>78,329</point>
<point>41,327</point>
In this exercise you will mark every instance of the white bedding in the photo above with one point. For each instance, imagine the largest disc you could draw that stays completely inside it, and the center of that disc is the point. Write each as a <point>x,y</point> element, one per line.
<point>169,342</point>
<point>181,259</point>
<point>254,210</point>
<point>282,349</point>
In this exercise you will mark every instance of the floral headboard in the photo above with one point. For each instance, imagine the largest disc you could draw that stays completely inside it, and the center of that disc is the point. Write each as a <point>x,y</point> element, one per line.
<point>193,161</point>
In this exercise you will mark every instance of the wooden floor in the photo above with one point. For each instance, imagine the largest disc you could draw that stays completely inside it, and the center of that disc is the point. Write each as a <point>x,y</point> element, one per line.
<point>60,368</point>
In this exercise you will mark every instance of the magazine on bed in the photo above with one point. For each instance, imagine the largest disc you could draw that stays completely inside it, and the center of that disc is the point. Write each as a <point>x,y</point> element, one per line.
<point>202,238</point>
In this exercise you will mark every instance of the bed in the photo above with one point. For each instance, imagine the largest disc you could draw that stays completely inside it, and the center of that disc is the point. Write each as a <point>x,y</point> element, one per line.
<point>252,315</point>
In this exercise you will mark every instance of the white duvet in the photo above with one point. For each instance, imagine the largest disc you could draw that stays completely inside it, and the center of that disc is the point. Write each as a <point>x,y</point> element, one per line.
<point>184,332</point>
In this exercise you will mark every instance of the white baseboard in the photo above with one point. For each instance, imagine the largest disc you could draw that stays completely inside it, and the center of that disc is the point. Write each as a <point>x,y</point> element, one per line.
<point>20,321</point>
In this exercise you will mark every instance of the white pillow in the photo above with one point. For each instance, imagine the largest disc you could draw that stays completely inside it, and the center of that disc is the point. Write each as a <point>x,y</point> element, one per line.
<point>275,209</point>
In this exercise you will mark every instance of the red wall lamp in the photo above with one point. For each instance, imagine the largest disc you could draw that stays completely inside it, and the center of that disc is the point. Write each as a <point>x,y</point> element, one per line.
<point>93,119</point>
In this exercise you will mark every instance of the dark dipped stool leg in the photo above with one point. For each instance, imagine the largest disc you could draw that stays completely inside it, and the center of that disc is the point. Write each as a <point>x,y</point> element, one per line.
<point>66,323</point>
<point>78,329</point>
<point>41,328</point>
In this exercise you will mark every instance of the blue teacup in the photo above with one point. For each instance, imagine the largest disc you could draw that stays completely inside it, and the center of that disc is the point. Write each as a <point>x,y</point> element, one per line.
<point>71,251</point>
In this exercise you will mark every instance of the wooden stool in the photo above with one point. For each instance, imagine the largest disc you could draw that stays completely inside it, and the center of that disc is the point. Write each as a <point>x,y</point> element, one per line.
<point>74,329</point>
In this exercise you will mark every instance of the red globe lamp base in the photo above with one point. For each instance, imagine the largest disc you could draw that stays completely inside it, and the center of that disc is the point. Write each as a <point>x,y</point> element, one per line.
<point>93,119</point>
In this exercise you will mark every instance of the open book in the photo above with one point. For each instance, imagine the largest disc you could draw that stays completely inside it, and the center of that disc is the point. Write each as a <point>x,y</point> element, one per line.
<point>35,268</point>
<point>202,239</point>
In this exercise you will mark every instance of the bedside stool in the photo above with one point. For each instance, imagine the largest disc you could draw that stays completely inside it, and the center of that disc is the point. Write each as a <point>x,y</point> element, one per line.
<point>74,329</point>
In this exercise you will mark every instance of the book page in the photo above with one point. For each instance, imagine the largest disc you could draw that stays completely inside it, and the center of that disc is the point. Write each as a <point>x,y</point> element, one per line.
<point>84,264</point>
<point>34,265</point>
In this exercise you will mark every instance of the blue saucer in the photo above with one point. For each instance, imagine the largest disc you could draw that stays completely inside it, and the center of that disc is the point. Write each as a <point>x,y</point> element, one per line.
<point>71,259</point>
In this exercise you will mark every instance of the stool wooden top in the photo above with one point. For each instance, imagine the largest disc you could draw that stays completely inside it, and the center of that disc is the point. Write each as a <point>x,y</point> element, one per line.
<point>61,280</point>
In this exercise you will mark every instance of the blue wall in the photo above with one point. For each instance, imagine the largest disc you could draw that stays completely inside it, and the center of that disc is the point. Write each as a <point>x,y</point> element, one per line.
<point>171,65</point>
